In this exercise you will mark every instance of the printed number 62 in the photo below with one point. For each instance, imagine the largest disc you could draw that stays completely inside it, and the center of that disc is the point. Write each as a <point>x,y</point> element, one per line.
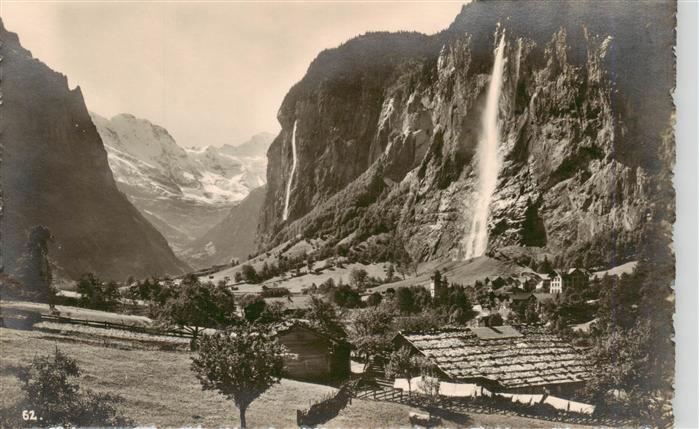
<point>28,415</point>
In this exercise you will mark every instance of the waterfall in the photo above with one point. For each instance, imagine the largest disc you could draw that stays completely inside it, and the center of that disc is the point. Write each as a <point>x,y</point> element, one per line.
<point>285,216</point>
<point>488,165</point>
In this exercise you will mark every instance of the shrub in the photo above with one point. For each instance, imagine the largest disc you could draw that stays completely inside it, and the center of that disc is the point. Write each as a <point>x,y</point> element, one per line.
<point>56,400</point>
<point>272,292</point>
<point>97,295</point>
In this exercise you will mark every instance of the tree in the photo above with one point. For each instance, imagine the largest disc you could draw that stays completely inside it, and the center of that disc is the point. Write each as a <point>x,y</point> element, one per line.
<point>390,273</point>
<point>405,300</point>
<point>403,364</point>
<point>405,265</point>
<point>241,364</point>
<point>374,299</point>
<point>429,385</point>
<point>95,294</point>
<point>423,321</point>
<point>460,308</point>
<point>57,400</point>
<point>545,267</point>
<point>323,316</point>
<point>33,266</point>
<point>265,272</point>
<point>249,274</point>
<point>197,306</point>
<point>530,314</point>
<point>371,329</point>
<point>253,306</point>
<point>345,296</point>
<point>635,312</point>
<point>272,313</point>
<point>327,286</point>
<point>358,277</point>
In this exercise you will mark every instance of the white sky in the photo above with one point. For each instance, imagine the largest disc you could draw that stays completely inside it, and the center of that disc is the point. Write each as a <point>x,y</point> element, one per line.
<point>209,72</point>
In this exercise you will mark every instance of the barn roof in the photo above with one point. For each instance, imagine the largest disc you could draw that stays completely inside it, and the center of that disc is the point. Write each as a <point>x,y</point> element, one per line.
<point>511,357</point>
<point>288,325</point>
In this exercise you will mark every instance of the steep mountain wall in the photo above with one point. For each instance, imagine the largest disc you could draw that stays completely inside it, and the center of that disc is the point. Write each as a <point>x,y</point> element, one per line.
<point>388,158</point>
<point>55,174</point>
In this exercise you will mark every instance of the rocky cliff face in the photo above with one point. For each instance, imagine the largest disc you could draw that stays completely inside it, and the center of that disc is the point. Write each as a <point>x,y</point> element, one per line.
<point>389,125</point>
<point>55,174</point>
<point>183,192</point>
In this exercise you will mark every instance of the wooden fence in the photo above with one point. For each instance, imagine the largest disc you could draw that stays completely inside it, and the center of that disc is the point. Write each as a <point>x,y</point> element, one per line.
<point>323,411</point>
<point>122,326</point>
<point>383,391</point>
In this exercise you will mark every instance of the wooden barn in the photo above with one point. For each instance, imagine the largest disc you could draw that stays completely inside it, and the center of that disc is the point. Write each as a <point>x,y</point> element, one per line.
<point>312,355</point>
<point>502,358</point>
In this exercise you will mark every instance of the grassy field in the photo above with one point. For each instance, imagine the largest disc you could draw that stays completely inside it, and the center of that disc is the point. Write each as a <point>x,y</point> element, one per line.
<point>158,386</point>
<point>78,313</point>
<point>296,284</point>
<point>160,390</point>
<point>462,272</point>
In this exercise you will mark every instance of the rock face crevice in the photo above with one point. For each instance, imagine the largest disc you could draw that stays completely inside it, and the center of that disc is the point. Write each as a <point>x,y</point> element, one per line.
<point>391,124</point>
<point>55,174</point>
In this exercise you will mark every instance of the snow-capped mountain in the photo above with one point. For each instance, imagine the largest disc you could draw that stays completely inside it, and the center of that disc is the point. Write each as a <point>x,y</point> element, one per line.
<point>184,192</point>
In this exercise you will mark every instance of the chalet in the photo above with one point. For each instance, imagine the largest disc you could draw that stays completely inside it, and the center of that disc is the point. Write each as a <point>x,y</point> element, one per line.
<point>538,299</point>
<point>312,355</point>
<point>574,277</point>
<point>578,277</point>
<point>558,280</point>
<point>502,359</point>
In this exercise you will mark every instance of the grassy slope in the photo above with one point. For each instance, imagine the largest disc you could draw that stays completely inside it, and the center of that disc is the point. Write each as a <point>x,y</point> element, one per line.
<point>158,386</point>
<point>79,313</point>
<point>626,268</point>
<point>295,284</point>
<point>462,272</point>
<point>160,390</point>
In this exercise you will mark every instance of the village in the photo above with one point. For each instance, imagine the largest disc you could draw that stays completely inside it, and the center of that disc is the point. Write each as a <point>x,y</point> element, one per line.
<point>512,344</point>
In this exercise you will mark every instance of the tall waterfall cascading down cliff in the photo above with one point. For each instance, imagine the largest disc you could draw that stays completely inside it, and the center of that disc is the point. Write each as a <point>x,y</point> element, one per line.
<point>285,215</point>
<point>394,164</point>
<point>489,161</point>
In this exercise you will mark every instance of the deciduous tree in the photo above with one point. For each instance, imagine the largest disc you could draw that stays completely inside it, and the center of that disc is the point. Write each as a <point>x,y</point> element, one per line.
<point>323,315</point>
<point>402,363</point>
<point>198,305</point>
<point>241,364</point>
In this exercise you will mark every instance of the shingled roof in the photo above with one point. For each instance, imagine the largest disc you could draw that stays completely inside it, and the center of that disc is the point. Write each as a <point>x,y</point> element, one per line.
<point>513,358</point>
<point>287,325</point>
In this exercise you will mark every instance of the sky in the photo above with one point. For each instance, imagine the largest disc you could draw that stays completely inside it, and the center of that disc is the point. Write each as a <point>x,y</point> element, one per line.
<point>211,73</point>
